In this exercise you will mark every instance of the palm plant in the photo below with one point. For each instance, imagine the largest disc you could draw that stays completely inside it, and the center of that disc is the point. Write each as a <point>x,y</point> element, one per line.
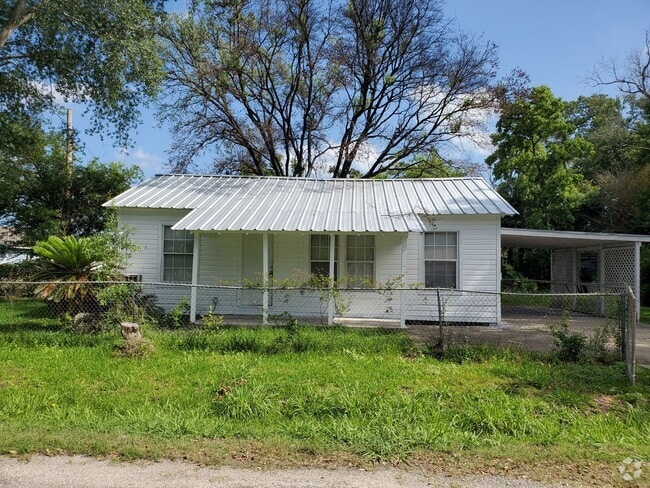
<point>66,272</point>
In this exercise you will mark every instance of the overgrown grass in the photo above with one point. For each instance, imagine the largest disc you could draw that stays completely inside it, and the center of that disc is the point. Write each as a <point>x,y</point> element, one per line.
<point>309,392</point>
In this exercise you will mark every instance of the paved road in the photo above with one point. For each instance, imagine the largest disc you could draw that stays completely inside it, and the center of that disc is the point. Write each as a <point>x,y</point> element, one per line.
<point>85,472</point>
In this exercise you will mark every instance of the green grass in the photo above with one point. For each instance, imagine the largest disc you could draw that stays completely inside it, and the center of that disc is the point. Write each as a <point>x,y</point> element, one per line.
<point>309,393</point>
<point>645,315</point>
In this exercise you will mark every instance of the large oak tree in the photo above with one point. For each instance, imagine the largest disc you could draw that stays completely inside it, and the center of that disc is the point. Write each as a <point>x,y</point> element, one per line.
<point>293,86</point>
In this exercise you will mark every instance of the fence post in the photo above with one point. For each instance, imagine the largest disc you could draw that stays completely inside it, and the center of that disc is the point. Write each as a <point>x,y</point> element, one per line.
<point>630,336</point>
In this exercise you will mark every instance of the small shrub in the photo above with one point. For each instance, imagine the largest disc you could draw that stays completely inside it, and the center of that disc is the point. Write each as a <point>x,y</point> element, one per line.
<point>286,321</point>
<point>597,346</point>
<point>211,321</point>
<point>569,346</point>
<point>178,316</point>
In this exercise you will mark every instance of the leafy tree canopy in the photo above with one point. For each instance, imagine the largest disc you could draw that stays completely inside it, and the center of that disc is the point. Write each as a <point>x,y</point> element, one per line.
<point>103,54</point>
<point>536,148</point>
<point>43,196</point>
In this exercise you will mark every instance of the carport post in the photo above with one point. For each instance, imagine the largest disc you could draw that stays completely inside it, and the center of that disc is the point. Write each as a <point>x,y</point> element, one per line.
<point>265,278</point>
<point>330,305</point>
<point>637,278</point>
<point>195,275</point>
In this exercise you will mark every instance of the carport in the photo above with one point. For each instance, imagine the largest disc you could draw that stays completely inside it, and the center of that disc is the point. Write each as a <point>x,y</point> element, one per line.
<point>585,262</point>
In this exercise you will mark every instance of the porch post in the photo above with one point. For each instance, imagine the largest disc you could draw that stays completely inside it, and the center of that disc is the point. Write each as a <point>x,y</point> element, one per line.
<point>265,278</point>
<point>330,307</point>
<point>195,275</point>
<point>402,305</point>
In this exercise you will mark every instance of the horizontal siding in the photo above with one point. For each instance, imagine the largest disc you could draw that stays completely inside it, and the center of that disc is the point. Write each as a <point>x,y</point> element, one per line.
<point>291,256</point>
<point>477,256</point>
<point>221,262</point>
<point>145,228</point>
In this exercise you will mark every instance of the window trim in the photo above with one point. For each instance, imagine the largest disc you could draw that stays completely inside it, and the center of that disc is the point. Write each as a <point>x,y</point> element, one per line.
<point>457,260</point>
<point>163,253</point>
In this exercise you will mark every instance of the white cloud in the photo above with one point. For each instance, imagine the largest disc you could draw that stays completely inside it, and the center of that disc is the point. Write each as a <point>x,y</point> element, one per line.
<point>150,163</point>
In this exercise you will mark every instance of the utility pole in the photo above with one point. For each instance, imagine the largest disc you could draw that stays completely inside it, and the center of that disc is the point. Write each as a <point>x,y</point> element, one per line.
<point>68,168</point>
<point>68,151</point>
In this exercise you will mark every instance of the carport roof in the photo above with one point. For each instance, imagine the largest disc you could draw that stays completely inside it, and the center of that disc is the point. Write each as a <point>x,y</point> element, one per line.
<point>556,239</point>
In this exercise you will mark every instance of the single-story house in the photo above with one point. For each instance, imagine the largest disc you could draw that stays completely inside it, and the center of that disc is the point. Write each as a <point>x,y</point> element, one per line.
<point>229,230</point>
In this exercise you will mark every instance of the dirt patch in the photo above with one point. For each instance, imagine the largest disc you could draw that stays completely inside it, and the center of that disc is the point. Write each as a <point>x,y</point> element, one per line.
<point>603,404</point>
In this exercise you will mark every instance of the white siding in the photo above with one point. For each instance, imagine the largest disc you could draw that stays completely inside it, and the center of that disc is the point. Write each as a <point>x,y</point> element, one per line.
<point>221,264</point>
<point>478,269</point>
<point>146,232</point>
<point>146,227</point>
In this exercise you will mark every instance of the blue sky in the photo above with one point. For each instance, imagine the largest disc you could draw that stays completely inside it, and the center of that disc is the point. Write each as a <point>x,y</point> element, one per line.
<point>556,42</point>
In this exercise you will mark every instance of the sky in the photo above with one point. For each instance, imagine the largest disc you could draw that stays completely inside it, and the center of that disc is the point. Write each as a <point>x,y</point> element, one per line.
<point>556,42</point>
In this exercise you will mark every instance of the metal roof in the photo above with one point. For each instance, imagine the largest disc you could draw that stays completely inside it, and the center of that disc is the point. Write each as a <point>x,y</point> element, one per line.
<point>240,203</point>
<point>556,239</point>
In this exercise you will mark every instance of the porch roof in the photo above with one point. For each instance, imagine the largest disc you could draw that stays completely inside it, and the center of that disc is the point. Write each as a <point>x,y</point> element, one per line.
<point>238,203</point>
<point>555,239</point>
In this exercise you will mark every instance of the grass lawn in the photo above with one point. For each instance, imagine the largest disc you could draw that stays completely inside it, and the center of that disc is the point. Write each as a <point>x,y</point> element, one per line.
<point>308,396</point>
<point>645,315</point>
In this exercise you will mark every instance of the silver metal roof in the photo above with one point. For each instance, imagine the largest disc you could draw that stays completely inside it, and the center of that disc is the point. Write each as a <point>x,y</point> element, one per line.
<point>557,239</point>
<point>240,203</point>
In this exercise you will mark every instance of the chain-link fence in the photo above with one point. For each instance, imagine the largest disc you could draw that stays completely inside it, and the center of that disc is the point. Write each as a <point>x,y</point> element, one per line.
<point>599,323</point>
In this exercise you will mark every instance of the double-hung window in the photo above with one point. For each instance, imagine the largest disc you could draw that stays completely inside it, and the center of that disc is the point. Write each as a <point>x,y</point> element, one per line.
<point>178,249</point>
<point>320,255</point>
<point>360,251</point>
<point>441,260</point>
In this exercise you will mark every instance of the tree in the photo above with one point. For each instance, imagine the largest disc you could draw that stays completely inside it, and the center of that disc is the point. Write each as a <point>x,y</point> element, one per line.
<point>601,120</point>
<point>293,86</point>
<point>46,197</point>
<point>536,148</point>
<point>632,76</point>
<point>100,53</point>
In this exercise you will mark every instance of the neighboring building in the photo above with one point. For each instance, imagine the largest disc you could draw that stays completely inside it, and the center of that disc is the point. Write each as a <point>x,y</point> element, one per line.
<point>212,230</point>
<point>10,251</point>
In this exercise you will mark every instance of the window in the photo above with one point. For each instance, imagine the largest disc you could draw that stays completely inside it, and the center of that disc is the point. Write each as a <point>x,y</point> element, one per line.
<point>440,259</point>
<point>360,261</point>
<point>320,255</point>
<point>178,247</point>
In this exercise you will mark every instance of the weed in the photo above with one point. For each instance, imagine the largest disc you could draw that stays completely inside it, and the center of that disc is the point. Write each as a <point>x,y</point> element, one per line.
<point>569,346</point>
<point>211,321</point>
<point>178,317</point>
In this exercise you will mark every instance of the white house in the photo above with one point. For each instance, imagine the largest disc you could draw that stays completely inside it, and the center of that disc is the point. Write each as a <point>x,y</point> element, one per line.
<point>225,230</point>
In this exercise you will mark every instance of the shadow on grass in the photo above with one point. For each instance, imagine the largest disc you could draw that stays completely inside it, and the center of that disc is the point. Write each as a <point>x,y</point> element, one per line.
<point>27,315</point>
